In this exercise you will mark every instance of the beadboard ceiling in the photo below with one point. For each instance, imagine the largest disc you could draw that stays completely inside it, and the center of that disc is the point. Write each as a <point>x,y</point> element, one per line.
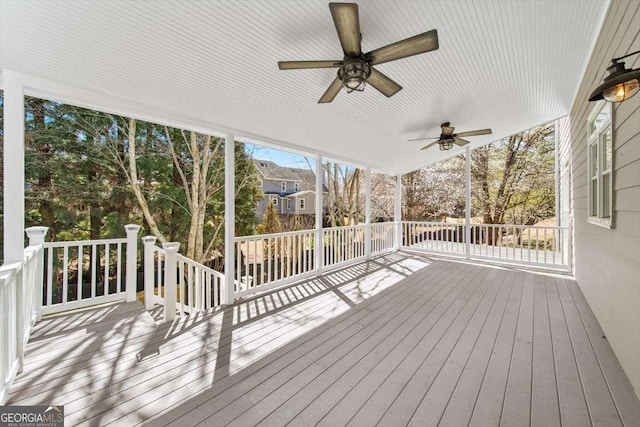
<point>507,65</point>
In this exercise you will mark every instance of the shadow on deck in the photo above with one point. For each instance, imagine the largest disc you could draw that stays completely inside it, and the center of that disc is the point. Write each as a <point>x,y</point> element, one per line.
<point>400,339</point>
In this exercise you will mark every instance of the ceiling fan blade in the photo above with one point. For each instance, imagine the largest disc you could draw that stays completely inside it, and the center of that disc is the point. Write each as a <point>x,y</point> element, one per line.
<point>447,130</point>
<point>475,132</point>
<point>347,22</point>
<point>298,65</point>
<point>422,139</point>
<point>459,141</point>
<point>331,92</point>
<point>383,83</point>
<point>422,43</point>
<point>426,147</point>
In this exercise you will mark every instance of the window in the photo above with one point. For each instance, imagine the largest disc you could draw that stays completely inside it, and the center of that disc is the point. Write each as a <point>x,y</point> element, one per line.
<point>301,204</point>
<point>288,204</point>
<point>283,186</point>
<point>274,200</point>
<point>600,159</point>
<point>296,186</point>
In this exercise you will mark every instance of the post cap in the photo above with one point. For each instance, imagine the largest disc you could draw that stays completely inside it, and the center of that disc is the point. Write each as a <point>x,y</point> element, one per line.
<point>36,231</point>
<point>132,228</point>
<point>171,246</point>
<point>149,240</point>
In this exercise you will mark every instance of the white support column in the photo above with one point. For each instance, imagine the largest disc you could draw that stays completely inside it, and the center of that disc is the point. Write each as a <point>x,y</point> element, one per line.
<point>13,168</point>
<point>367,212</point>
<point>36,237</point>
<point>170,272</point>
<point>149,270</point>
<point>467,210</point>
<point>318,248</point>
<point>229,217</point>
<point>131,282</point>
<point>397,213</point>
<point>556,172</point>
<point>13,157</point>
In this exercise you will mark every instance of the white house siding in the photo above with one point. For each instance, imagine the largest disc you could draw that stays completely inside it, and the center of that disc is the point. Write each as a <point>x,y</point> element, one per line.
<point>607,261</point>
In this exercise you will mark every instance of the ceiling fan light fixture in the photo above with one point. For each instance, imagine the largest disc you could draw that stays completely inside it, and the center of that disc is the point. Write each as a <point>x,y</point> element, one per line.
<point>354,74</point>
<point>445,144</point>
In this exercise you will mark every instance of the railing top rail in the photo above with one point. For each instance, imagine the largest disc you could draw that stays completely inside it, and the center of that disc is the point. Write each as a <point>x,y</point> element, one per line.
<point>159,250</point>
<point>8,271</point>
<point>61,244</point>
<point>262,236</point>
<point>433,223</point>
<point>203,267</point>
<point>541,227</point>
<point>344,227</point>
<point>545,227</point>
<point>31,251</point>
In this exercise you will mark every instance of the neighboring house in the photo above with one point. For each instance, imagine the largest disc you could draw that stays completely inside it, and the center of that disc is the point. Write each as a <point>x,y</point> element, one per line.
<point>599,163</point>
<point>291,190</point>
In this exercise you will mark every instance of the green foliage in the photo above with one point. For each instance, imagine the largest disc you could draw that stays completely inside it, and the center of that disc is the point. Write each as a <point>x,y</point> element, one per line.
<point>513,179</point>
<point>512,182</point>
<point>78,182</point>
<point>270,221</point>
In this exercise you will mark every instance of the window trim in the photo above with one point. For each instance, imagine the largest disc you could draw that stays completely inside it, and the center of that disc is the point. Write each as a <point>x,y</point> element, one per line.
<point>302,204</point>
<point>596,178</point>
<point>296,186</point>
<point>283,186</point>
<point>274,200</point>
<point>288,204</point>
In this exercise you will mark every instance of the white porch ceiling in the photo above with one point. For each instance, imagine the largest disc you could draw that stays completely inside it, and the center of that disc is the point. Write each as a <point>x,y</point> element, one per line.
<point>508,65</point>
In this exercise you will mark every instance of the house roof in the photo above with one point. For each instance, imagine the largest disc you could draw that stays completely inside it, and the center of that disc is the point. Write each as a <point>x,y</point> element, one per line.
<point>301,193</point>
<point>272,171</point>
<point>212,67</point>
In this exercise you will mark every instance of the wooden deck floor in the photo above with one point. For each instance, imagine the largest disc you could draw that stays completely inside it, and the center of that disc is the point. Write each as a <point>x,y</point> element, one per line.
<point>401,340</point>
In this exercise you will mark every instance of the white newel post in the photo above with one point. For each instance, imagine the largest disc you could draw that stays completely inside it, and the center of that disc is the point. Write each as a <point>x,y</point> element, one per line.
<point>170,272</point>
<point>131,283</point>
<point>36,237</point>
<point>397,213</point>
<point>229,218</point>
<point>367,212</point>
<point>467,209</point>
<point>318,246</point>
<point>149,276</point>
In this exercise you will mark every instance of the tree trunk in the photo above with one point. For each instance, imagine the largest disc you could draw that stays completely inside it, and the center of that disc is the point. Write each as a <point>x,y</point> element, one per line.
<point>135,184</point>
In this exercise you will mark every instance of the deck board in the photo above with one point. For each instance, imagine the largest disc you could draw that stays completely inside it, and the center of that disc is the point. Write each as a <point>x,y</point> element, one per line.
<point>405,339</point>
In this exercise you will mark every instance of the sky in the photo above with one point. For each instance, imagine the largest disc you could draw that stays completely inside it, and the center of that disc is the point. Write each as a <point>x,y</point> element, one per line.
<point>282,158</point>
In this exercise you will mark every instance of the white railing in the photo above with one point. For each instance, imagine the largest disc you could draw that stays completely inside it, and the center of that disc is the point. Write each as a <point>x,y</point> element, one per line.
<point>83,273</point>
<point>343,245</point>
<point>269,260</point>
<point>11,325</point>
<point>382,237</point>
<point>200,287</point>
<point>178,283</point>
<point>540,244</point>
<point>547,246</point>
<point>438,237</point>
<point>20,285</point>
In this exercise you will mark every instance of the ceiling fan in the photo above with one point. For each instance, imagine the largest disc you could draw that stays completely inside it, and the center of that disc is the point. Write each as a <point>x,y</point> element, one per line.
<point>355,70</point>
<point>447,138</point>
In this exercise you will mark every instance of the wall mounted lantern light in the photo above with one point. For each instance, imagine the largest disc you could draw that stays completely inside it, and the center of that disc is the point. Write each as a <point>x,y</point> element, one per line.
<point>621,83</point>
